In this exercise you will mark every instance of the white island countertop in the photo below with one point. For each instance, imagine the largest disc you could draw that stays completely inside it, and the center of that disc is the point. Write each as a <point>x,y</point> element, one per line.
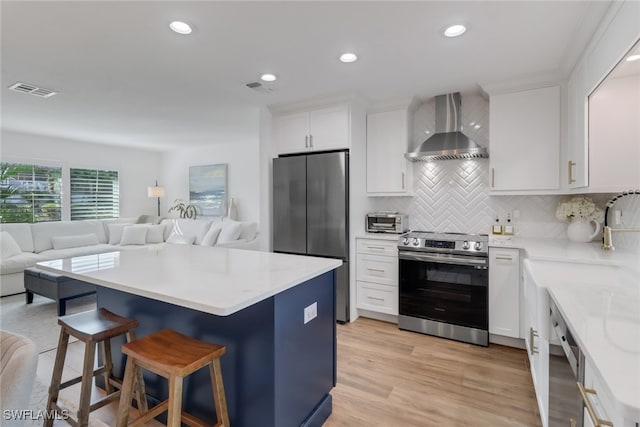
<point>214,280</point>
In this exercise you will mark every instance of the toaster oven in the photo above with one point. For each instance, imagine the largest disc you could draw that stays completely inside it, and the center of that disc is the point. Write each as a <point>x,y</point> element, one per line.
<point>387,222</point>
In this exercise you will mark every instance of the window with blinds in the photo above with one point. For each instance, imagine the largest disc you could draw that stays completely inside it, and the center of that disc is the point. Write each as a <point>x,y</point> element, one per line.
<point>30,193</point>
<point>95,194</point>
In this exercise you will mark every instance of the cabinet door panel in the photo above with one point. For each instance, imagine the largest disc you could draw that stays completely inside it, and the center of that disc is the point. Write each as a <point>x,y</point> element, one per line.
<point>329,128</point>
<point>576,171</point>
<point>525,140</point>
<point>504,292</point>
<point>387,137</point>
<point>290,132</point>
<point>376,297</point>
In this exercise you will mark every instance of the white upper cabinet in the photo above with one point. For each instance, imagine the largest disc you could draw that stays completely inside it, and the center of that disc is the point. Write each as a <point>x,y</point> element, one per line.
<point>525,141</point>
<point>603,135</point>
<point>312,130</point>
<point>388,139</point>
<point>576,170</point>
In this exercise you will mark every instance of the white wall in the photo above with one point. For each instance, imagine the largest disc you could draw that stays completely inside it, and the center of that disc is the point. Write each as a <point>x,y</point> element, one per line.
<point>243,172</point>
<point>137,169</point>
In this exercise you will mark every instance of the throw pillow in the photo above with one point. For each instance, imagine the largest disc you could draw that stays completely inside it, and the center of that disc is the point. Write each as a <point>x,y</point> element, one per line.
<point>134,235</point>
<point>8,246</point>
<point>66,242</point>
<point>115,232</point>
<point>230,231</point>
<point>155,234</point>
<point>211,237</point>
<point>181,239</point>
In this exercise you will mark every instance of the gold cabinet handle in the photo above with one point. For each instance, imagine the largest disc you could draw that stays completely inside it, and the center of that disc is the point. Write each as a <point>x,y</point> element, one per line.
<point>572,422</point>
<point>504,258</point>
<point>381,248</point>
<point>306,141</point>
<point>310,141</point>
<point>532,334</point>
<point>376,269</point>
<point>493,177</point>
<point>403,180</point>
<point>570,170</point>
<point>597,422</point>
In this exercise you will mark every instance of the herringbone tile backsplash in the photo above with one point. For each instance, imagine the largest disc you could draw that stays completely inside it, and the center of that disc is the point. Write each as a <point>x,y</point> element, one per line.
<point>453,195</point>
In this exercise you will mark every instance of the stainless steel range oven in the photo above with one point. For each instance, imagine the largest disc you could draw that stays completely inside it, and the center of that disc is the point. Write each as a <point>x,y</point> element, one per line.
<point>444,285</point>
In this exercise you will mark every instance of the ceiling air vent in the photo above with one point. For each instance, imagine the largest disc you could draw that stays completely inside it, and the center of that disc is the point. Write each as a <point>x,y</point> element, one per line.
<point>32,90</point>
<point>259,87</point>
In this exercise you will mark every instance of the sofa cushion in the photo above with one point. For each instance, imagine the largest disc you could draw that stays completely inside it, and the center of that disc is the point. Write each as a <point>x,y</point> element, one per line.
<point>211,237</point>
<point>66,242</point>
<point>21,233</point>
<point>181,239</point>
<point>134,235</point>
<point>230,231</point>
<point>155,233</point>
<point>8,246</point>
<point>115,232</point>
<point>192,227</point>
<point>79,251</point>
<point>44,231</point>
<point>249,230</point>
<point>17,263</point>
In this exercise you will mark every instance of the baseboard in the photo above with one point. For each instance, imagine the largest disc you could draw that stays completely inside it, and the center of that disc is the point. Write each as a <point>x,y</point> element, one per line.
<point>507,341</point>
<point>378,316</point>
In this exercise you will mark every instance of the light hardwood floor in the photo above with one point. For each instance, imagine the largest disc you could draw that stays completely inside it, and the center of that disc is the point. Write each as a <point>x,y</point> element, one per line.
<point>389,377</point>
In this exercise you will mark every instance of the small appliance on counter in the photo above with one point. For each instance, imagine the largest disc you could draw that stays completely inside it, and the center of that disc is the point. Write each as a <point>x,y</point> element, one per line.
<point>387,222</point>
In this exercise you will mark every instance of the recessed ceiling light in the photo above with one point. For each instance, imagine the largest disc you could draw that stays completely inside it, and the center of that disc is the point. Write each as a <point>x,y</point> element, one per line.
<point>633,58</point>
<point>455,30</point>
<point>267,77</point>
<point>180,27</point>
<point>348,57</point>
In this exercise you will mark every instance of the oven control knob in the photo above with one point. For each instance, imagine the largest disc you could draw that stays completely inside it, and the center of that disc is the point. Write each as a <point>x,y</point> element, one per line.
<point>477,246</point>
<point>416,241</point>
<point>405,241</point>
<point>465,245</point>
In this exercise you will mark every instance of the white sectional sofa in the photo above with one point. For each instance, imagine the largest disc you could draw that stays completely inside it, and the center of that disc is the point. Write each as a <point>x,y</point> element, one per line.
<point>24,245</point>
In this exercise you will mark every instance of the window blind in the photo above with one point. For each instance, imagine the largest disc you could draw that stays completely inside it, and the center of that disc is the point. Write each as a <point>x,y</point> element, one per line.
<point>95,194</point>
<point>30,193</point>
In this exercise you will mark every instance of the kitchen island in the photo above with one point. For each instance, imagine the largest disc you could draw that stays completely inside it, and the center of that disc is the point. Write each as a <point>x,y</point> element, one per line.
<point>275,314</point>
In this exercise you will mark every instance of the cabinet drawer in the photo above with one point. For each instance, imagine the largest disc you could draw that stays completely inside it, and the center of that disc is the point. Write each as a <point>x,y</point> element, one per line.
<point>377,247</point>
<point>377,269</point>
<point>376,297</point>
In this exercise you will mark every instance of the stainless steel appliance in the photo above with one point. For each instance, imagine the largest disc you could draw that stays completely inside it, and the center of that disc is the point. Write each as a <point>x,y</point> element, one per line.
<point>444,283</point>
<point>566,368</point>
<point>311,212</point>
<point>387,222</point>
<point>448,142</point>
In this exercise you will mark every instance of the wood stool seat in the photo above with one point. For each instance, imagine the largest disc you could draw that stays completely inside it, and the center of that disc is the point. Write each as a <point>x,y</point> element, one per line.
<point>174,356</point>
<point>91,327</point>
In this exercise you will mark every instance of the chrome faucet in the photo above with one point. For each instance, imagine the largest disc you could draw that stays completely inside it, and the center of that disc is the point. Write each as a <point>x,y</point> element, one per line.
<point>607,241</point>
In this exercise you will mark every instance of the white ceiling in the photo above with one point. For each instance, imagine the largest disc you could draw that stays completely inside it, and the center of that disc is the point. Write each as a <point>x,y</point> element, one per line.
<point>124,78</point>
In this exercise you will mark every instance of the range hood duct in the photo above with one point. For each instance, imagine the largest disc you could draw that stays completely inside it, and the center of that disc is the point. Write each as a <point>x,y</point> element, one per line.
<point>448,142</point>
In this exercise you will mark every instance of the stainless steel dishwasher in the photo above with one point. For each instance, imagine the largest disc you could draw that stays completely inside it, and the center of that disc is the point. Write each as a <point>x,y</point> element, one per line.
<point>566,368</point>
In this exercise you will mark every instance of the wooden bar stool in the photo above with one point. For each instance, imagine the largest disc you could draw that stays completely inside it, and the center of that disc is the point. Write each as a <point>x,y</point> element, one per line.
<point>91,327</point>
<point>173,356</point>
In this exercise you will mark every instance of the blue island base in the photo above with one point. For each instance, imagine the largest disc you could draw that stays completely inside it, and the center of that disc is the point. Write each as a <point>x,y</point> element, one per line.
<point>277,370</point>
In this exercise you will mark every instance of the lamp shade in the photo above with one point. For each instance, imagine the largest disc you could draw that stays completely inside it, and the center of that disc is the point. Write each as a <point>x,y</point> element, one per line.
<point>155,191</point>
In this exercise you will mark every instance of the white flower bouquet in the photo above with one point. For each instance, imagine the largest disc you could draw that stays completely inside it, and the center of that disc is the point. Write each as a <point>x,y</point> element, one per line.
<point>579,207</point>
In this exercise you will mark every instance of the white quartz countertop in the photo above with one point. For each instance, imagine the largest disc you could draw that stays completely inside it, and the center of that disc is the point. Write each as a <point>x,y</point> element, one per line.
<point>600,301</point>
<point>214,280</point>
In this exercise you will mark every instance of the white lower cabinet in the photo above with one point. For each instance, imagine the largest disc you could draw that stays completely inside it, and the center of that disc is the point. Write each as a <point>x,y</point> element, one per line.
<point>536,337</point>
<point>599,401</point>
<point>377,275</point>
<point>504,292</point>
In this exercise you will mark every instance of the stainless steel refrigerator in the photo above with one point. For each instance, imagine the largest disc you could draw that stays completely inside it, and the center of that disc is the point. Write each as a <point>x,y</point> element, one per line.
<point>311,212</point>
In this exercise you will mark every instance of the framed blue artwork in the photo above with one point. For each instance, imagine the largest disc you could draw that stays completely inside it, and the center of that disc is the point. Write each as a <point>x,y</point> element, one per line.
<point>208,189</point>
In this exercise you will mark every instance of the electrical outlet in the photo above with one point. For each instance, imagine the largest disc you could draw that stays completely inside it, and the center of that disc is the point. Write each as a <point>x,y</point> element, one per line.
<point>508,217</point>
<point>310,312</point>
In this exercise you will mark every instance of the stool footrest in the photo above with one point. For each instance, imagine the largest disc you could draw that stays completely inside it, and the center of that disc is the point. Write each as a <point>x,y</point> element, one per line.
<point>104,401</point>
<point>153,412</point>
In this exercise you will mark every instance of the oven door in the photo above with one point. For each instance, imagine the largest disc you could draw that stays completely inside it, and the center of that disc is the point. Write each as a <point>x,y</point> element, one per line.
<point>445,288</point>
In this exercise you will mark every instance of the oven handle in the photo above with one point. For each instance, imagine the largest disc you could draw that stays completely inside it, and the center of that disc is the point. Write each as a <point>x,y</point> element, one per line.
<point>444,259</point>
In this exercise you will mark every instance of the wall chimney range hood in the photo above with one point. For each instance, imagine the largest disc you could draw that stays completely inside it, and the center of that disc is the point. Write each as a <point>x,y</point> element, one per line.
<point>448,142</point>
